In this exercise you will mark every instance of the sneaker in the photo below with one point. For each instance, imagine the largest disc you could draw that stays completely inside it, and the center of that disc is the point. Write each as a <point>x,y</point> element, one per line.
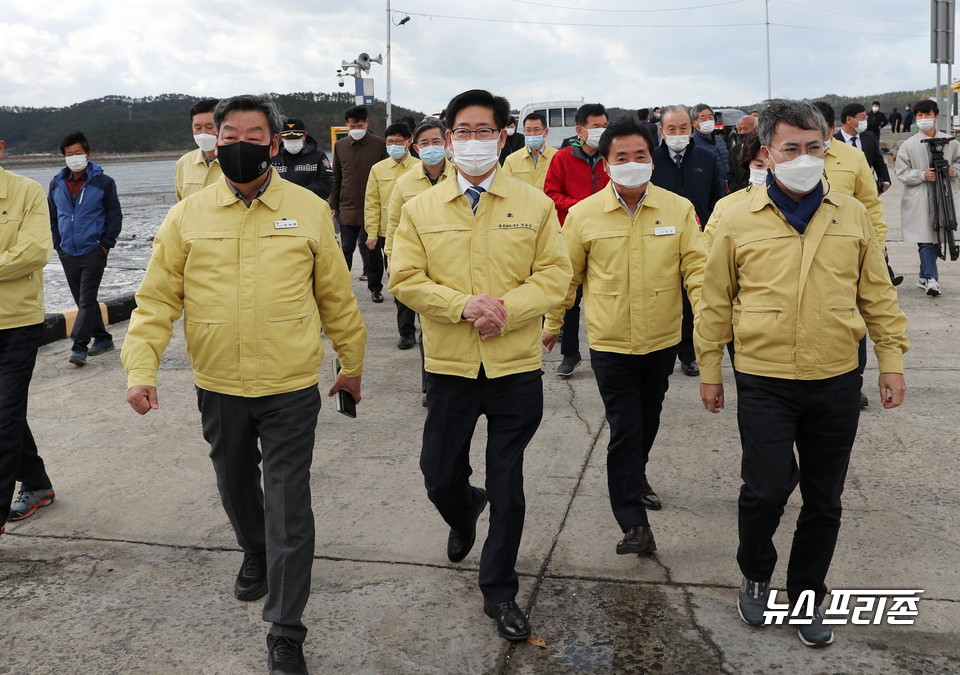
<point>78,358</point>
<point>28,501</point>
<point>285,655</point>
<point>252,578</point>
<point>922,283</point>
<point>864,401</point>
<point>99,347</point>
<point>815,633</point>
<point>752,601</point>
<point>568,364</point>
<point>933,287</point>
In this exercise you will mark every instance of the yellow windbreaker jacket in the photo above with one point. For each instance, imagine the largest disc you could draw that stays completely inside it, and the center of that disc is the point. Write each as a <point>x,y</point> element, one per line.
<point>791,301</point>
<point>255,286</point>
<point>519,165</point>
<point>408,186</point>
<point>848,172</point>
<point>380,184</point>
<point>192,173</point>
<point>443,255</point>
<point>25,247</point>
<point>631,269</point>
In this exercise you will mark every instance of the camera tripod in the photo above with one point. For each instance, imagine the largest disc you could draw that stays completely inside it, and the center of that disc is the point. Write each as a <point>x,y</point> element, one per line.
<point>945,216</point>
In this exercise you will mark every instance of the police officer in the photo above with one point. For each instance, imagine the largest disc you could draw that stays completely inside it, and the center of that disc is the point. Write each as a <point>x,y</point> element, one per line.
<point>792,311</point>
<point>300,161</point>
<point>481,260</point>
<point>632,245</point>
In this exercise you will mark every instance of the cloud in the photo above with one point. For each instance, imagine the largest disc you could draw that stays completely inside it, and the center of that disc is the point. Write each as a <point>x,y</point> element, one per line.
<point>61,53</point>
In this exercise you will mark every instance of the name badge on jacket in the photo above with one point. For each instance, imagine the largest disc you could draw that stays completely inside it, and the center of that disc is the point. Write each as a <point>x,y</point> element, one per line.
<point>660,231</point>
<point>284,224</point>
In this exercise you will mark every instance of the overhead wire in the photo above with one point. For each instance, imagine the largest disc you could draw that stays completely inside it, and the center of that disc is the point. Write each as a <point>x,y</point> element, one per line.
<point>833,12</point>
<point>628,11</point>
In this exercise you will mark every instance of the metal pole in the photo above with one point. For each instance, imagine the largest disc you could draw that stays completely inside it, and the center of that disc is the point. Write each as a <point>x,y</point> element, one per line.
<point>389,22</point>
<point>949,105</point>
<point>766,8</point>
<point>939,98</point>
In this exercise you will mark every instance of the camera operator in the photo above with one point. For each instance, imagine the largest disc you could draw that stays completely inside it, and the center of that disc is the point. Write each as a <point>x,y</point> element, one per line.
<point>914,170</point>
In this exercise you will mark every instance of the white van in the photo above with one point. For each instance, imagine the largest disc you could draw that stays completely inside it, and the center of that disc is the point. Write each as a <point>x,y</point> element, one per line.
<point>560,118</point>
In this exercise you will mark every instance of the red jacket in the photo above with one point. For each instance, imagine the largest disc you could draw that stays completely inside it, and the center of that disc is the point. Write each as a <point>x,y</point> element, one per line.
<point>569,179</point>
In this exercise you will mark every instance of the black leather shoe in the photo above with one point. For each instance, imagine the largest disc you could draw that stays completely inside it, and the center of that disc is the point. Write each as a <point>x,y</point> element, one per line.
<point>511,623</point>
<point>637,539</point>
<point>285,655</point>
<point>460,543</point>
<point>376,296</point>
<point>252,578</point>
<point>406,342</point>
<point>649,498</point>
<point>689,369</point>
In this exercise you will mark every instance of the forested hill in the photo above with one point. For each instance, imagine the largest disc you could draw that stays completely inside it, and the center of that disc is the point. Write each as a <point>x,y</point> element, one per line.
<point>118,124</point>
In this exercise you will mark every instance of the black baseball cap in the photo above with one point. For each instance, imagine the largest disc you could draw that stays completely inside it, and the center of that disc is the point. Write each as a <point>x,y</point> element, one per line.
<point>293,127</point>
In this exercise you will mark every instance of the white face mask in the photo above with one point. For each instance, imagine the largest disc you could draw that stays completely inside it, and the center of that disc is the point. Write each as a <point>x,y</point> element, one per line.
<point>707,126</point>
<point>758,177</point>
<point>827,143</point>
<point>206,142</point>
<point>801,174</point>
<point>677,143</point>
<point>861,126</point>
<point>293,146</point>
<point>875,108</point>
<point>593,137</point>
<point>631,174</point>
<point>76,163</point>
<point>926,124</point>
<point>357,134</point>
<point>476,157</point>
<point>511,131</point>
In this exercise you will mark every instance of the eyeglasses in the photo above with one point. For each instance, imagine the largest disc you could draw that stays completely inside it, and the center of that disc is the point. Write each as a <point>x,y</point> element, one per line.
<point>482,134</point>
<point>791,153</point>
<point>426,143</point>
<point>533,132</point>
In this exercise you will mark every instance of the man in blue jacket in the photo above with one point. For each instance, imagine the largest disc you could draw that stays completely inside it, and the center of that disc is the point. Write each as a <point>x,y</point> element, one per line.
<point>85,221</point>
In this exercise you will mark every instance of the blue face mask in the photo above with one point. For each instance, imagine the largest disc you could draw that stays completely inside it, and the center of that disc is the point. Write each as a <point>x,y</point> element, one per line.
<point>396,151</point>
<point>432,154</point>
<point>533,141</point>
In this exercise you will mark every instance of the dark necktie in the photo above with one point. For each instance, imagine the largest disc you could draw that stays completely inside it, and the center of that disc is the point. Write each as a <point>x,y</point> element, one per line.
<point>473,194</point>
<point>853,141</point>
<point>678,159</point>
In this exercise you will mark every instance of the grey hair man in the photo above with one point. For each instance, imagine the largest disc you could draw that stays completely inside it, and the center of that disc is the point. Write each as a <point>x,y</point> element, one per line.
<point>792,266</point>
<point>256,286</point>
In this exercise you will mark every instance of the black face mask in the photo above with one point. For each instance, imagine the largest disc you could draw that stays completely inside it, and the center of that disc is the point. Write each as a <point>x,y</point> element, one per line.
<point>243,162</point>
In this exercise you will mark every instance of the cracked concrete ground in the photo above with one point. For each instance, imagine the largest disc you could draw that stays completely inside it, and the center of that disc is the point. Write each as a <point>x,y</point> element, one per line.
<point>132,568</point>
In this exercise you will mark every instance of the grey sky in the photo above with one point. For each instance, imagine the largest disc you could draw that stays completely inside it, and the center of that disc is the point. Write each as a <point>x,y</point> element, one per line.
<point>58,53</point>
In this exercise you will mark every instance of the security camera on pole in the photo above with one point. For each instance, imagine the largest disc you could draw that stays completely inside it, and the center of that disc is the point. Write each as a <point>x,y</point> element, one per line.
<point>356,69</point>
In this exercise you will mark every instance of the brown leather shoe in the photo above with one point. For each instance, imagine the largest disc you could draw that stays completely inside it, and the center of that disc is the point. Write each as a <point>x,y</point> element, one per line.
<point>637,539</point>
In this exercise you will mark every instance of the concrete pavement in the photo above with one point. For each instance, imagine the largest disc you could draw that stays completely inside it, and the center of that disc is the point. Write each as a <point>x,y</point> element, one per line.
<point>132,568</point>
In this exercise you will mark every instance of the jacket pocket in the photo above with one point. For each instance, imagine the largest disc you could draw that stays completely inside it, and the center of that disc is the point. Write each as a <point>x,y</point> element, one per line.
<point>605,313</point>
<point>290,341</point>
<point>841,328</point>
<point>211,341</point>
<point>763,333</point>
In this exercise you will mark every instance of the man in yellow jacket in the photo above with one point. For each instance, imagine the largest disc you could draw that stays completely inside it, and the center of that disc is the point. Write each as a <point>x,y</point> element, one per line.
<point>481,260</point>
<point>786,275</point>
<point>530,163</point>
<point>254,267</point>
<point>383,177</point>
<point>25,247</point>
<point>632,245</point>
<point>847,171</point>
<point>199,168</point>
